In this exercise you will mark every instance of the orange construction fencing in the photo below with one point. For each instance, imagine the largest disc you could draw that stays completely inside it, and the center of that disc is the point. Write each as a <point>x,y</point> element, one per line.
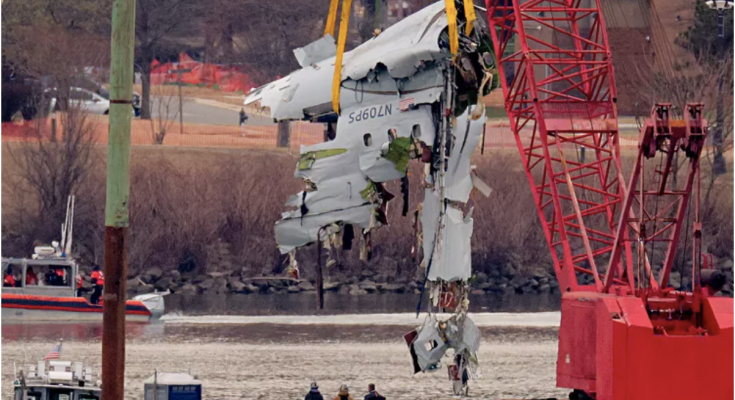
<point>143,132</point>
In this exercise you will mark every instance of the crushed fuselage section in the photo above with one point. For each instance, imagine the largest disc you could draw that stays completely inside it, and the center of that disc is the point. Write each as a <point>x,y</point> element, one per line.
<point>403,96</point>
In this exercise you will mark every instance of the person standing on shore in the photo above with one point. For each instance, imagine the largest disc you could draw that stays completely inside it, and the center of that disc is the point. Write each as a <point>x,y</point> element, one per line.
<point>373,394</point>
<point>314,393</point>
<point>343,394</point>
<point>243,120</point>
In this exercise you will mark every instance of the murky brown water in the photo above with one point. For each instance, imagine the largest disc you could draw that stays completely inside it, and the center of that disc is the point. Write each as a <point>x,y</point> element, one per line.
<point>335,303</point>
<point>277,361</point>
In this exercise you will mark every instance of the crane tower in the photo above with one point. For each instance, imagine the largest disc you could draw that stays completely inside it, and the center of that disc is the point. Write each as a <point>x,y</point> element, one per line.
<point>625,332</point>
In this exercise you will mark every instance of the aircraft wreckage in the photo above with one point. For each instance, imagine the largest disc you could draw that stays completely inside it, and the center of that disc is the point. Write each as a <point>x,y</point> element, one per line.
<point>411,92</point>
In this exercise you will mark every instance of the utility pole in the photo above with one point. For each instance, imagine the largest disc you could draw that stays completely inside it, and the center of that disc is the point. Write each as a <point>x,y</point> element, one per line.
<point>719,165</point>
<point>118,196</point>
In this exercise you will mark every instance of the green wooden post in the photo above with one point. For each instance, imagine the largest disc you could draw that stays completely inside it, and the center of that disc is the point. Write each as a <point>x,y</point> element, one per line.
<point>118,195</point>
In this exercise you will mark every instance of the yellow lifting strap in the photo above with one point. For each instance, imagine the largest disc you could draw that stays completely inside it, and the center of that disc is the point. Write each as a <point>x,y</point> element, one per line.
<point>331,18</point>
<point>469,13</point>
<point>343,27</point>
<point>452,20</point>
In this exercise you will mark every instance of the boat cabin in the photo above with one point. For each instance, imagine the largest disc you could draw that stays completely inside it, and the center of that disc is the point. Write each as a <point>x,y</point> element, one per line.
<point>43,275</point>
<point>172,386</point>
<point>56,380</point>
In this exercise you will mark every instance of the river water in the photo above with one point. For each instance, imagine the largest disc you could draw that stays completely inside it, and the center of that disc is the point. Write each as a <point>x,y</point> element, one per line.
<point>245,354</point>
<point>335,303</point>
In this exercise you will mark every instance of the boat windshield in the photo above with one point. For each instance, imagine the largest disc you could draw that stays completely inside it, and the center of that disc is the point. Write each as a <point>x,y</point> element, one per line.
<point>36,274</point>
<point>11,274</point>
<point>60,394</point>
<point>49,275</point>
<point>30,395</point>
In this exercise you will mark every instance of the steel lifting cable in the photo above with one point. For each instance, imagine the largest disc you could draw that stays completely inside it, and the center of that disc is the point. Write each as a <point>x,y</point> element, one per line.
<point>682,264</point>
<point>614,18</point>
<point>665,43</point>
<point>655,224</point>
<point>646,46</point>
<point>663,48</point>
<point>640,247</point>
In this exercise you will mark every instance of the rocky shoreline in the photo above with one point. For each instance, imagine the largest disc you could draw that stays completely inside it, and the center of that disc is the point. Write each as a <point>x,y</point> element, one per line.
<point>501,281</point>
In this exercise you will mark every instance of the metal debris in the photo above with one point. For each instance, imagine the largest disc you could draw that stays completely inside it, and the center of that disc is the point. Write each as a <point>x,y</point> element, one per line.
<point>404,96</point>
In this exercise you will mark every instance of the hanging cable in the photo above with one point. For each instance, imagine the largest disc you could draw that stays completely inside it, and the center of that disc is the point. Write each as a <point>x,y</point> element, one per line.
<point>655,223</point>
<point>682,264</point>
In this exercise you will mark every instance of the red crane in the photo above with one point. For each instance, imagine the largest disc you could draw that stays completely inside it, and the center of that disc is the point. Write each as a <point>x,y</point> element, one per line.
<point>625,332</point>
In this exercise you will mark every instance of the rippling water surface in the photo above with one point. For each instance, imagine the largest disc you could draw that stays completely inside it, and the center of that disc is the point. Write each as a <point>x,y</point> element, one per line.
<point>270,347</point>
<point>277,357</point>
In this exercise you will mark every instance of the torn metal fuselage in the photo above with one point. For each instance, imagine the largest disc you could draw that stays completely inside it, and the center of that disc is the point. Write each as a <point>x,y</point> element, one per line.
<point>403,96</point>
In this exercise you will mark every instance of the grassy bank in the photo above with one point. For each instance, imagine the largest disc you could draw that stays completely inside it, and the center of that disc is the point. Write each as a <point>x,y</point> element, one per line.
<point>213,210</point>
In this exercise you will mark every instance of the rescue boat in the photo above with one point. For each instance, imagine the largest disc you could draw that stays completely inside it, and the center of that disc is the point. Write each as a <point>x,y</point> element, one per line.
<point>54,298</point>
<point>44,287</point>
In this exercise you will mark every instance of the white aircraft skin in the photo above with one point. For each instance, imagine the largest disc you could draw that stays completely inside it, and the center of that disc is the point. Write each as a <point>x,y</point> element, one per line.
<point>402,94</point>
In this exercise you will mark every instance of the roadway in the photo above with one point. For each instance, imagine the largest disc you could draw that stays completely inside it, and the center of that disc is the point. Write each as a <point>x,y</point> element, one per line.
<point>205,111</point>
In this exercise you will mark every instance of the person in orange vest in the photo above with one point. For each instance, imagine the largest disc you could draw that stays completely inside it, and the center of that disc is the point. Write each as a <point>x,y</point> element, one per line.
<point>31,278</point>
<point>80,284</point>
<point>9,279</point>
<point>98,280</point>
<point>60,277</point>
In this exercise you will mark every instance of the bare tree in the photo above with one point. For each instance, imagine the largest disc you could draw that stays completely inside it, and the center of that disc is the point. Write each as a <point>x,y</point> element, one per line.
<point>49,168</point>
<point>165,104</point>
<point>698,82</point>
<point>55,164</point>
<point>156,20</point>
<point>57,54</point>
<point>81,16</point>
<point>263,35</point>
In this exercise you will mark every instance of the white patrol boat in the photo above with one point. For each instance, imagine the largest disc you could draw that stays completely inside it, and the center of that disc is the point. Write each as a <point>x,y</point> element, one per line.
<point>66,380</point>
<point>55,379</point>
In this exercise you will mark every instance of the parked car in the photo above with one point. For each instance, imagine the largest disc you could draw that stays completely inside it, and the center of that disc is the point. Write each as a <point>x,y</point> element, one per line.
<point>93,102</point>
<point>90,101</point>
<point>136,99</point>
